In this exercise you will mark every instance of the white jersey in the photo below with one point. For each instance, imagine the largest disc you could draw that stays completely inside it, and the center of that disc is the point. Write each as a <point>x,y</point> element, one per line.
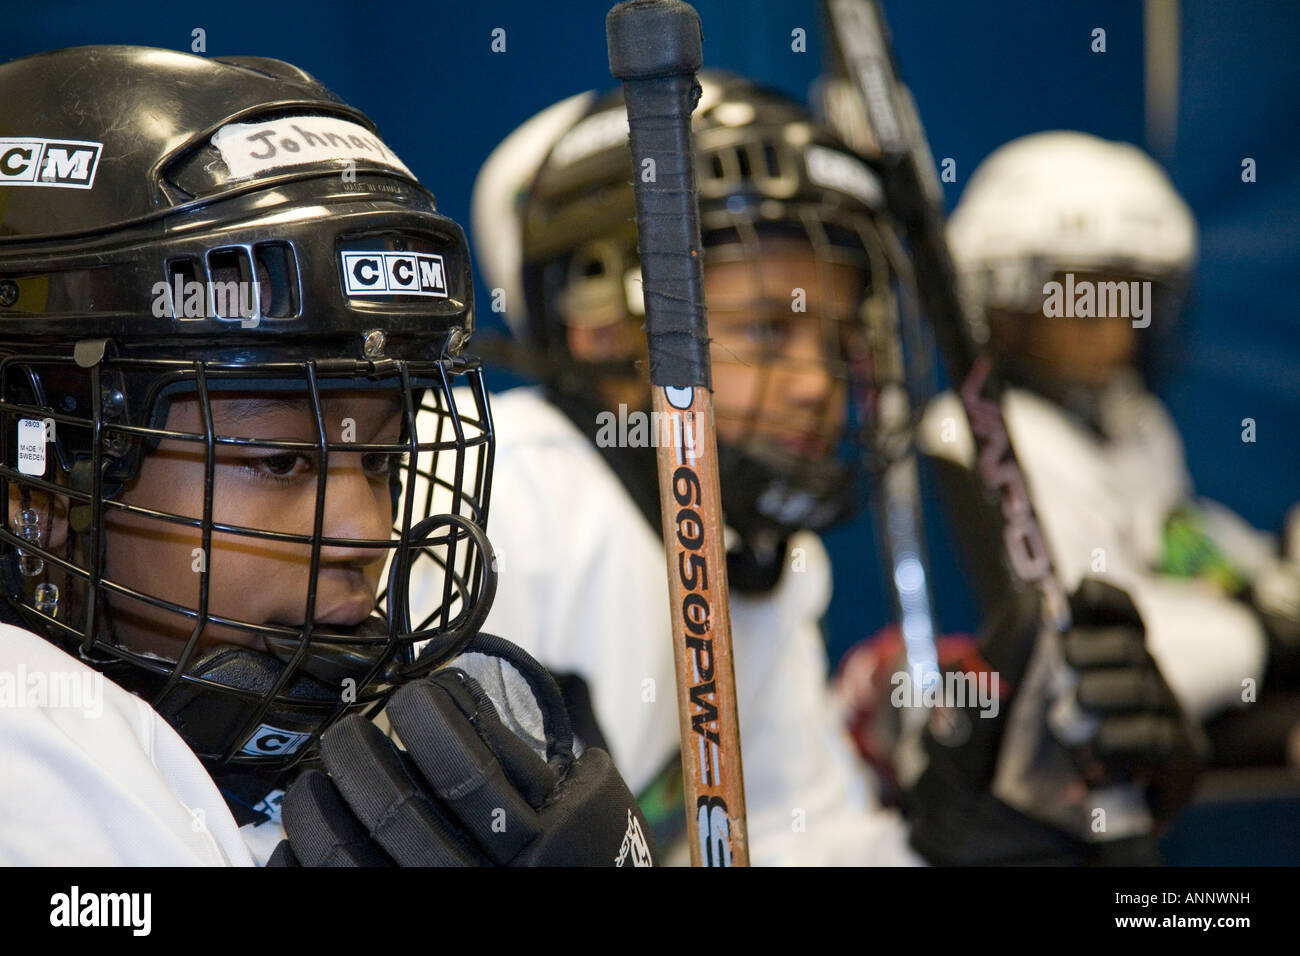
<point>583,587</point>
<point>1102,504</point>
<point>93,776</point>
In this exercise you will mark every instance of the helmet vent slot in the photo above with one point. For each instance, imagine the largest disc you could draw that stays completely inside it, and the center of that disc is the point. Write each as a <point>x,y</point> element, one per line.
<point>181,274</point>
<point>770,161</point>
<point>742,159</point>
<point>277,275</point>
<point>227,301</point>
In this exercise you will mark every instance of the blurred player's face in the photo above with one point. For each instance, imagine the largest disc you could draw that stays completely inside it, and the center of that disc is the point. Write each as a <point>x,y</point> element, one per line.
<point>772,373</point>
<point>254,579</point>
<point>1088,351</point>
<point>619,339</point>
<point>772,376</point>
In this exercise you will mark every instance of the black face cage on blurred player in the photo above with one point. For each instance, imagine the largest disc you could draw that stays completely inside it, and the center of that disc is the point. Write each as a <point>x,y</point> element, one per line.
<point>766,170</point>
<point>84,353</point>
<point>1014,285</point>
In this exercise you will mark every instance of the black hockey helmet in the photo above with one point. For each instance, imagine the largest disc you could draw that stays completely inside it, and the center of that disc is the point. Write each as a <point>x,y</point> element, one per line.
<point>765,167</point>
<point>172,225</point>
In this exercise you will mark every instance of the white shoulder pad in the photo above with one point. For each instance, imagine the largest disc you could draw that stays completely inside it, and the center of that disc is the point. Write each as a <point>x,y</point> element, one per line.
<point>95,777</point>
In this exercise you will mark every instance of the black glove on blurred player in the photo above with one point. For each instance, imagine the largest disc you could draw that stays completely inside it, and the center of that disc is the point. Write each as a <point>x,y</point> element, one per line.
<point>1141,737</point>
<point>468,790</point>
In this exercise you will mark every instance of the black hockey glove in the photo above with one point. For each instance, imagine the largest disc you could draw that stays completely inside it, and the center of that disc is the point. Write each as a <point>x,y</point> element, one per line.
<point>472,786</point>
<point>1139,736</point>
<point>1143,735</point>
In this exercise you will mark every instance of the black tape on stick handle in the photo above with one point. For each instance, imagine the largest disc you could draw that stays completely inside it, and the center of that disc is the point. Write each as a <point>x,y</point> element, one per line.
<point>655,48</point>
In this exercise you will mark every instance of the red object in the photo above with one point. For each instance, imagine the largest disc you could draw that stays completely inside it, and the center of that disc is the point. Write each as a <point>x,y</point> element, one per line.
<point>863,682</point>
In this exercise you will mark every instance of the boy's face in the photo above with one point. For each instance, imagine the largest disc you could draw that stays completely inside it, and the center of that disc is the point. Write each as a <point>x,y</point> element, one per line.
<point>772,377</point>
<point>255,580</point>
<point>1088,351</point>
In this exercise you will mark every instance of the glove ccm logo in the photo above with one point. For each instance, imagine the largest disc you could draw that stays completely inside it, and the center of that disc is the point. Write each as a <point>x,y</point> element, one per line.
<point>268,741</point>
<point>394,273</point>
<point>64,163</point>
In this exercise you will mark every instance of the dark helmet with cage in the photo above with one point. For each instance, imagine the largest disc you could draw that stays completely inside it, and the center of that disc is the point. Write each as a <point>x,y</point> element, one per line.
<point>183,231</point>
<point>770,177</point>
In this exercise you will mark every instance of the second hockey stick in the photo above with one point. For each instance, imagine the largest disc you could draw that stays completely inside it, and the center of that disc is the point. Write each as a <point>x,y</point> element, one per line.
<point>894,136</point>
<point>893,133</point>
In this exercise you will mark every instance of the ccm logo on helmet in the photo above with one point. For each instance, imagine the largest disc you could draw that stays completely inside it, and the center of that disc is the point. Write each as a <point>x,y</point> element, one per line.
<point>268,741</point>
<point>394,273</point>
<point>69,164</point>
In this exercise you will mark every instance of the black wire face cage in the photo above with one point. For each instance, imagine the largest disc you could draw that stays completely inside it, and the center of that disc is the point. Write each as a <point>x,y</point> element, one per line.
<point>813,409</point>
<point>819,359</point>
<point>1016,285</point>
<point>249,681</point>
<point>817,370</point>
<point>815,416</point>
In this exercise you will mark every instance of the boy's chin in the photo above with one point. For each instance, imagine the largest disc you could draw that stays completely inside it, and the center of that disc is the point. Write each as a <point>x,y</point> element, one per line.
<point>168,647</point>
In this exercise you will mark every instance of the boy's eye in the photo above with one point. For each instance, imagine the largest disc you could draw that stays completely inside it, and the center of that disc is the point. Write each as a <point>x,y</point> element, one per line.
<point>765,331</point>
<point>382,463</point>
<point>284,465</point>
<point>745,326</point>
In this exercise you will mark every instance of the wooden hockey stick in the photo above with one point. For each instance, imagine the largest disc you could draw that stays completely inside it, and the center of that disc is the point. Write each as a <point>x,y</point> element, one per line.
<point>655,49</point>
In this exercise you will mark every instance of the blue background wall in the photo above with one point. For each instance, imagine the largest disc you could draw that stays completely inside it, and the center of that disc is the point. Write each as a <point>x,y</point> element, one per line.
<point>981,73</point>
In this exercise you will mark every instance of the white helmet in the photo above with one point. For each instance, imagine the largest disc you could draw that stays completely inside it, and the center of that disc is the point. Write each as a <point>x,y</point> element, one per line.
<point>1064,200</point>
<point>499,189</point>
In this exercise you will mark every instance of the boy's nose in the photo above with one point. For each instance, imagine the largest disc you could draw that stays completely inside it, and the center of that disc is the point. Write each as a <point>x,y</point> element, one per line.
<point>805,377</point>
<point>356,506</point>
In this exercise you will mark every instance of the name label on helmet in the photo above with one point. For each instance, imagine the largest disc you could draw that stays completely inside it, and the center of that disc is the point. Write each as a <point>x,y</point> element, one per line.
<point>64,163</point>
<point>394,273</point>
<point>250,149</point>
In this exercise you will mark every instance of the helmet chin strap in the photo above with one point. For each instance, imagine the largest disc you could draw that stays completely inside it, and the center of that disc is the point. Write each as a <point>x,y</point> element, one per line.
<point>210,719</point>
<point>755,563</point>
<point>751,484</point>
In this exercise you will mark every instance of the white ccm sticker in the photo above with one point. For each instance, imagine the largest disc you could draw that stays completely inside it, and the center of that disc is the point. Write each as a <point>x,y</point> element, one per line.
<point>394,273</point>
<point>64,163</point>
<point>273,740</point>
<point>31,446</point>
<point>252,148</point>
<point>847,174</point>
